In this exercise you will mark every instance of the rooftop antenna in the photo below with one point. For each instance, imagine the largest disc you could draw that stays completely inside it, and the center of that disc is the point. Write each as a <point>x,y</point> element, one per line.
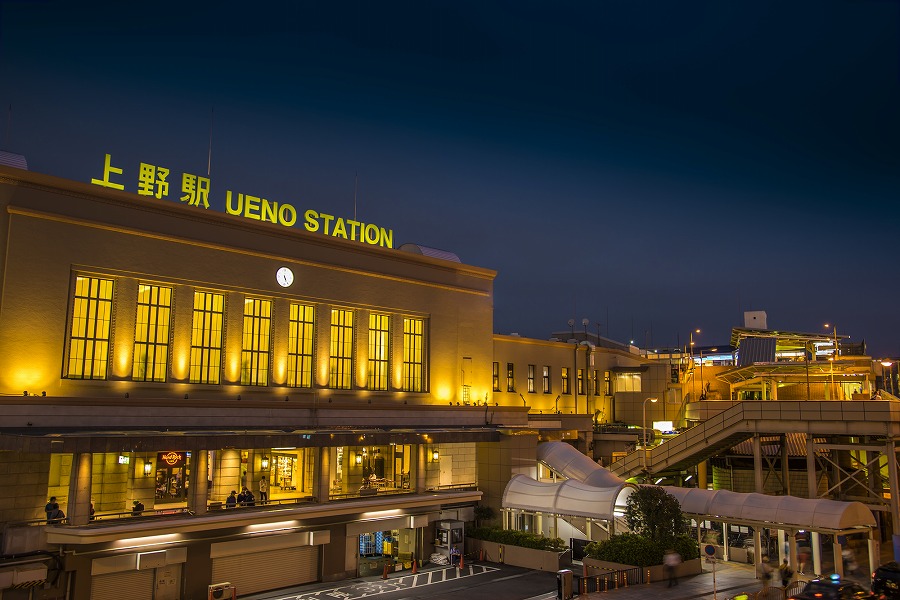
<point>355,190</point>
<point>209,154</point>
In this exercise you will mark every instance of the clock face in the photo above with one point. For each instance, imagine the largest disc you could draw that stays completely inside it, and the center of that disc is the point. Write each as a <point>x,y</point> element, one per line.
<point>284,277</point>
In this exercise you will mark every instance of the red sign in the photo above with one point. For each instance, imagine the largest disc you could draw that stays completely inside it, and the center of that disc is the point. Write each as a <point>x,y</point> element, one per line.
<point>171,458</point>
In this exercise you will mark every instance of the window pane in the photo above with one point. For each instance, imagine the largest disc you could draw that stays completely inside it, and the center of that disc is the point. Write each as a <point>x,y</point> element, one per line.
<point>90,329</point>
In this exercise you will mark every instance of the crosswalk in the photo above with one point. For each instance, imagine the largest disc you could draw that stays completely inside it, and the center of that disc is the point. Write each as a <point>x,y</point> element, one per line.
<point>366,589</point>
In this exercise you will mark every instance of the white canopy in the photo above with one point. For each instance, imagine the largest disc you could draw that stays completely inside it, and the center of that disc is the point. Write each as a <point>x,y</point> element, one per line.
<point>570,497</point>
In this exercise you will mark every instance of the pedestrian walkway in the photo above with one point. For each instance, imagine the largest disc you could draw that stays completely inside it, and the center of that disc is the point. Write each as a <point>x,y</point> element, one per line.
<point>730,579</point>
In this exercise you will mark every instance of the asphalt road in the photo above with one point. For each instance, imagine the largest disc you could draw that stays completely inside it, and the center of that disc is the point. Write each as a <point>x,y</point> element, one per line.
<point>474,582</point>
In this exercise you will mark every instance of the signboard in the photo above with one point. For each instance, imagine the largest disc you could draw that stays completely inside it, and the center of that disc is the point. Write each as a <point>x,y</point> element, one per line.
<point>154,180</point>
<point>171,459</point>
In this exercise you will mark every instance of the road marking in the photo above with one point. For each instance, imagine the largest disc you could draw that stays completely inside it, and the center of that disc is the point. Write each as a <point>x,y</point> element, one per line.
<point>404,582</point>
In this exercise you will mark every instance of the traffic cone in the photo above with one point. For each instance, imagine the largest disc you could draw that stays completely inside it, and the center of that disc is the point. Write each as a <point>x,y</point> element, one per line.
<point>384,575</point>
<point>415,568</point>
<point>460,561</point>
<point>481,555</point>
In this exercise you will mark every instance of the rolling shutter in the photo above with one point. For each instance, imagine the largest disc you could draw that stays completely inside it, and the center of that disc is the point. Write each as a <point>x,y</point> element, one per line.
<point>125,585</point>
<point>268,570</point>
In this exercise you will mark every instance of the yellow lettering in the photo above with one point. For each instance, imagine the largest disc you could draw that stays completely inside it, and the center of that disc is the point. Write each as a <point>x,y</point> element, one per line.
<point>251,207</point>
<point>371,234</point>
<point>228,207</point>
<point>339,229</point>
<point>328,219</point>
<point>269,211</point>
<point>353,225</point>
<point>312,223</point>
<point>387,237</point>
<point>287,215</point>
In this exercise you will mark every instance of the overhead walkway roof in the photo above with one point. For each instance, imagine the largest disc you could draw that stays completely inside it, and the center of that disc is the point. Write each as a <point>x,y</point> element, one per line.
<point>601,499</point>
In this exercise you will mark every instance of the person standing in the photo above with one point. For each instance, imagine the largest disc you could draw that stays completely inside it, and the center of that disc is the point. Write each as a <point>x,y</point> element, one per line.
<point>231,501</point>
<point>764,571</point>
<point>264,489</point>
<point>671,560</point>
<point>454,556</point>
<point>48,509</point>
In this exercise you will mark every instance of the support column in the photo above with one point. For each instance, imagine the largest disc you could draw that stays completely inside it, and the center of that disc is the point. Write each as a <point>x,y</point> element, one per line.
<point>249,474</point>
<point>838,554</point>
<point>816,543</point>
<point>812,485</point>
<point>420,468</point>
<point>874,551</point>
<point>702,477</point>
<point>758,485</point>
<point>78,509</point>
<point>198,492</point>
<point>780,553</point>
<point>785,467</point>
<point>725,550</point>
<point>890,452</point>
<point>322,474</point>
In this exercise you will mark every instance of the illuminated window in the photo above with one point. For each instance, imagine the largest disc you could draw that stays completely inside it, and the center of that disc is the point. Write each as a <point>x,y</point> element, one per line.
<point>510,377</point>
<point>379,351</point>
<point>151,333</point>
<point>496,375</point>
<point>580,381</point>
<point>206,337</point>
<point>413,355</point>
<point>530,379</point>
<point>628,382</point>
<point>546,379</point>
<point>300,346</point>
<point>340,364</point>
<point>89,339</point>
<point>566,384</point>
<point>255,341</point>
<point>607,379</point>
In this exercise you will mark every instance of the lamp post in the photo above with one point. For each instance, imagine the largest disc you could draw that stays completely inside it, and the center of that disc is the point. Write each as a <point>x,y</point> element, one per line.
<point>888,377</point>
<point>693,379</point>
<point>834,355</point>
<point>645,429</point>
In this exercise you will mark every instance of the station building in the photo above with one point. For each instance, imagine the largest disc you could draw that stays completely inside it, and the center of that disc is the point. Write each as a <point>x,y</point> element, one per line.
<point>156,356</point>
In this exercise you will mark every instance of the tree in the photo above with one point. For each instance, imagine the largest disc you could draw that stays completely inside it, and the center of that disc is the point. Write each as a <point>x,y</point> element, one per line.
<point>655,514</point>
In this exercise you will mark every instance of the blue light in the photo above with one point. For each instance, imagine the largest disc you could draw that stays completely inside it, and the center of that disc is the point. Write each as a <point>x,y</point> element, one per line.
<point>835,577</point>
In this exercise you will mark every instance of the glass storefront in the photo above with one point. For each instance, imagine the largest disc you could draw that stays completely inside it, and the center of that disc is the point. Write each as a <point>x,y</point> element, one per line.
<point>172,476</point>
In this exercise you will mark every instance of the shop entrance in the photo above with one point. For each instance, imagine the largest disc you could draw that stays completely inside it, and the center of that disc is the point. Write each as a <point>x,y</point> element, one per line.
<point>172,476</point>
<point>388,547</point>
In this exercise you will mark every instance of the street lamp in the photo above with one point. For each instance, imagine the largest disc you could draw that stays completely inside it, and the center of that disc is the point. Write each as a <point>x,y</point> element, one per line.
<point>645,429</point>
<point>693,379</point>
<point>889,377</point>
<point>834,355</point>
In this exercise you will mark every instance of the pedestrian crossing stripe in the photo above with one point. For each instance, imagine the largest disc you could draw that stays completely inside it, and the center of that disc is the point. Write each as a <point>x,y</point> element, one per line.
<point>384,586</point>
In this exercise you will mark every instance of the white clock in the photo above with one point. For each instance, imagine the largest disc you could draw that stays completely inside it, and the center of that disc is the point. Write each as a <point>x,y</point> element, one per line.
<point>284,277</point>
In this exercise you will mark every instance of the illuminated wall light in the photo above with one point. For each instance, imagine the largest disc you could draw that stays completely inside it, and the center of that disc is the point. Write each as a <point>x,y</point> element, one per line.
<point>279,526</point>
<point>435,456</point>
<point>150,540</point>
<point>264,463</point>
<point>358,459</point>
<point>148,468</point>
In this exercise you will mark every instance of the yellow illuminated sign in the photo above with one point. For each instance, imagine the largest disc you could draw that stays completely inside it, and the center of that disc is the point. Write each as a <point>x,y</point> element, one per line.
<point>153,181</point>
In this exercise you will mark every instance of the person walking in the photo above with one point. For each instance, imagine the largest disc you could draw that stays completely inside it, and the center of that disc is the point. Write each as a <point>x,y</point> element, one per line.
<point>764,571</point>
<point>671,560</point>
<point>264,489</point>
<point>785,572</point>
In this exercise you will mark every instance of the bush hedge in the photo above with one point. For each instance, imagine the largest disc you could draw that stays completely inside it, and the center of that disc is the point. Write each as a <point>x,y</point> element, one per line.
<point>510,537</point>
<point>633,549</point>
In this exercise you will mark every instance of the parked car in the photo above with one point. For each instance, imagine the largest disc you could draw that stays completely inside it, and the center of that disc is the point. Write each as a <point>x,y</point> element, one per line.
<point>886,581</point>
<point>833,588</point>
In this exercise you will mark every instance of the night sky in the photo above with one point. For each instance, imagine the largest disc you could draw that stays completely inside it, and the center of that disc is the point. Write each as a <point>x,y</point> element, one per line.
<point>652,166</point>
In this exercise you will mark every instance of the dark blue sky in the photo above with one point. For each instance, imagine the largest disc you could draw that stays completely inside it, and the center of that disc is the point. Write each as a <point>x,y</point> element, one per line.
<point>652,166</point>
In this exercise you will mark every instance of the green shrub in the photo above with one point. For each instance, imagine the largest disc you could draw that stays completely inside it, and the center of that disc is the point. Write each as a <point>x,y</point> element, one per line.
<point>511,537</point>
<point>633,549</point>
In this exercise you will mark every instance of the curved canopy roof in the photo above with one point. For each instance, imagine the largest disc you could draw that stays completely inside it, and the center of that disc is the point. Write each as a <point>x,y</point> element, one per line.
<point>815,514</point>
<point>570,497</point>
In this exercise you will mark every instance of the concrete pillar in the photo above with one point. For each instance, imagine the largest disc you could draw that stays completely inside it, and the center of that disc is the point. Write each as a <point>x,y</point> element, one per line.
<point>813,488</point>
<point>702,477</point>
<point>837,551</point>
<point>874,551</point>
<point>198,491</point>
<point>420,468</point>
<point>725,550</point>
<point>817,552</point>
<point>249,472</point>
<point>758,485</point>
<point>78,509</point>
<point>780,551</point>
<point>774,394</point>
<point>890,452</point>
<point>321,475</point>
